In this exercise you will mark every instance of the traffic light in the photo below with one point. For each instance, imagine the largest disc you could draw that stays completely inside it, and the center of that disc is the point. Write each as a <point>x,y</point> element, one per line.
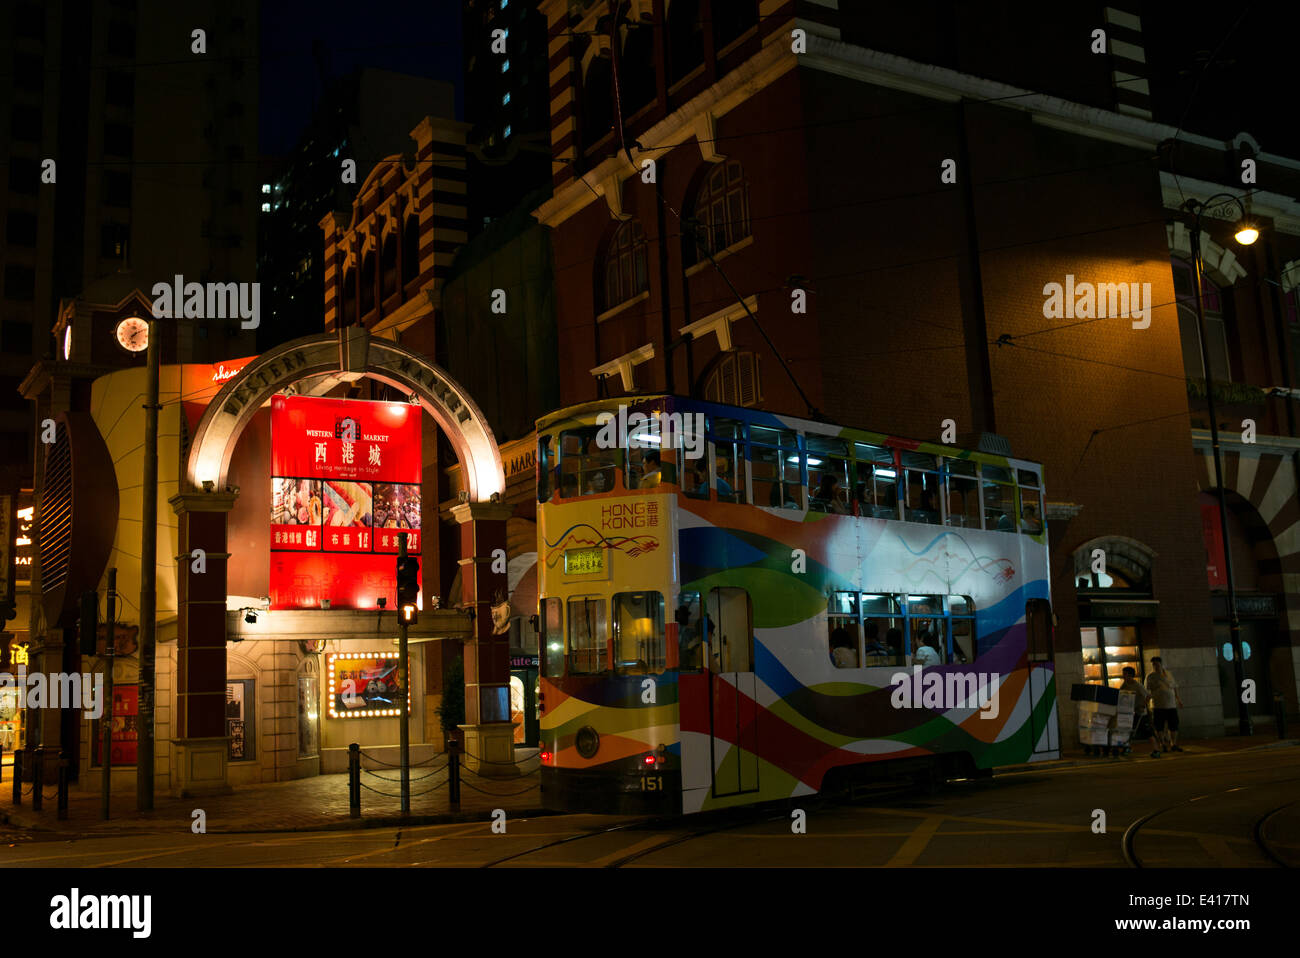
<point>408,587</point>
<point>89,622</point>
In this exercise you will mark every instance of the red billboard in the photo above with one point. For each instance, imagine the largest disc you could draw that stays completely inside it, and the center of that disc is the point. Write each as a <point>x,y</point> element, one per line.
<point>345,480</point>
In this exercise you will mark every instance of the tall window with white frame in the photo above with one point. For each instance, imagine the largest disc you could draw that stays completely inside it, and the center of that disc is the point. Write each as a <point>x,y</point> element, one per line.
<point>720,213</point>
<point>626,274</point>
<point>1215,326</point>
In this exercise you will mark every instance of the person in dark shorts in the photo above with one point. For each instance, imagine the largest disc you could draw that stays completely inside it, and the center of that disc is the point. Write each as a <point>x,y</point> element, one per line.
<point>1165,703</point>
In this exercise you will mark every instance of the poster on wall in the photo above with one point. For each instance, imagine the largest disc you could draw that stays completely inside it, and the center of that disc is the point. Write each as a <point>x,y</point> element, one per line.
<point>363,685</point>
<point>345,480</point>
<point>239,719</point>
<point>126,708</point>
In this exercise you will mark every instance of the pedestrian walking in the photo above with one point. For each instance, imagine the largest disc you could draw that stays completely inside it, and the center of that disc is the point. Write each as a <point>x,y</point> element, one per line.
<point>1141,709</point>
<point>1165,703</point>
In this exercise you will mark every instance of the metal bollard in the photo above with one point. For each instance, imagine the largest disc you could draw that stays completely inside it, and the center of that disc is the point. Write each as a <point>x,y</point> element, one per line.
<point>38,778</point>
<point>18,777</point>
<point>354,780</point>
<point>63,786</point>
<point>1279,712</point>
<point>453,774</point>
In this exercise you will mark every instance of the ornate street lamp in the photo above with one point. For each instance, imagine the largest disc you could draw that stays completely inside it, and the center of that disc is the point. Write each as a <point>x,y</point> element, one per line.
<point>1246,233</point>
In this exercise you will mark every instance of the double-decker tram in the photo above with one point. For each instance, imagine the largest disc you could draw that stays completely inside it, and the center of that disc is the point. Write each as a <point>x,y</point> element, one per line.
<point>777,605</point>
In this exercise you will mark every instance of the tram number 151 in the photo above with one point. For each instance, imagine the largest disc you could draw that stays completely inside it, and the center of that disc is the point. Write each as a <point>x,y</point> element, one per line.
<point>652,783</point>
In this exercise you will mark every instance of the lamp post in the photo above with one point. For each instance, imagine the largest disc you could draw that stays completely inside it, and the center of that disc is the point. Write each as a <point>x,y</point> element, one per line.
<point>1246,234</point>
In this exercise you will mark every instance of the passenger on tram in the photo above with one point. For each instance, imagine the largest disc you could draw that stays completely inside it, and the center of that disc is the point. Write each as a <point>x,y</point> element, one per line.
<point>875,648</point>
<point>843,654</point>
<point>724,488</point>
<point>1030,521</point>
<point>829,496</point>
<point>925,653</point>
<point>597,483</point>
<point>651,471</point>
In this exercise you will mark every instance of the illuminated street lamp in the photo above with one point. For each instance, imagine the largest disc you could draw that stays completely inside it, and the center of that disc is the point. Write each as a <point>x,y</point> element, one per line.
<point>1245,233</point>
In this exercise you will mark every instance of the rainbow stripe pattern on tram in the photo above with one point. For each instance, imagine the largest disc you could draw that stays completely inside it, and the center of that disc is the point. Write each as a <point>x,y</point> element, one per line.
<point>777,728</point>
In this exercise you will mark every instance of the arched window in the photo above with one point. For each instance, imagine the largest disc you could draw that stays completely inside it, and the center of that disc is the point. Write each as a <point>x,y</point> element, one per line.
<point>685,38</point>
<point>367,283</point>
<point>625,265</point>
<point>350,317</point>
<point>410,248</point>
<point>1215,327</point>
<point>721,210</point>
<point>597,101</point>
<point>388,266</point>
<point>734,380</point>
<point>731,19</point>
<point>637,66</point>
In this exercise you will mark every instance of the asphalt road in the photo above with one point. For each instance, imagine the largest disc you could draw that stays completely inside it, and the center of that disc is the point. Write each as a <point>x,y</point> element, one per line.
<point>1216,810</point>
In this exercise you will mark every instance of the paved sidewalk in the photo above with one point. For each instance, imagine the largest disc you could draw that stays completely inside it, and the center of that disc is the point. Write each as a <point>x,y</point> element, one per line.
<point>1072,752</point>
<point>307,804</point>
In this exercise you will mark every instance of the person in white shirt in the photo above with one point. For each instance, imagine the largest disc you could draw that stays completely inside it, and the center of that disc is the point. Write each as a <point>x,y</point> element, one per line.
<point>925,654</point>
<point>1165,703</point>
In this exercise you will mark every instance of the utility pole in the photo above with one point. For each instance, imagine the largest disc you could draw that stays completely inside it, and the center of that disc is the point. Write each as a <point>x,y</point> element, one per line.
<point>106,745</point>
<point>148,576</point>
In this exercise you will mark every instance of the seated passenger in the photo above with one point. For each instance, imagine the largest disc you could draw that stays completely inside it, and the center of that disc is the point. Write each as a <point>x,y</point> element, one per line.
<point>925,654</point>
<point>724,488</point>
<point>829,496</point>
<point>1005,524</point>
<point>651,471</point>
<point>1030,522</point>
<point>875,648</point>
<point>597,483</point>
<point>699,487</point>
<point>843,654</point>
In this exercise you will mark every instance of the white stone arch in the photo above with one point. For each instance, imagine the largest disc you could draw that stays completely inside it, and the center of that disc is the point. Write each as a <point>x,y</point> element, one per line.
<point>1221,263</point>
<point>1133,559</point>
<point>350,356</point>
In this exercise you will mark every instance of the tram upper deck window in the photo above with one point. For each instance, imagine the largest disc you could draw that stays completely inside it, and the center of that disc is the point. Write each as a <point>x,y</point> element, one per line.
<point>650,461</point>
<point>921,477</point>
<point>587,631</point>
<point>552,638</point>
<point>727,438</point>
<point>1031,503</point>
<point>545,469</point>
<point>963,493</point>
<point>828,475</point>
<point>875,481</point>
<point>775,473</point>
<point>999,494</point>
<point>586,469</point>
<point>638,633</point>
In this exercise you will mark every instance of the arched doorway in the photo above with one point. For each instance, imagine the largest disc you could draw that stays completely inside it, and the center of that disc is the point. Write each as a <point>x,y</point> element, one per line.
<point>1117,609</point>
<point>315,364</point>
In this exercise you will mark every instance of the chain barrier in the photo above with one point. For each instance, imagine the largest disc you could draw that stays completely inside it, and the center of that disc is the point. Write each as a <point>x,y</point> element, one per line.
<point>482,791</point>
<point>379,761</point>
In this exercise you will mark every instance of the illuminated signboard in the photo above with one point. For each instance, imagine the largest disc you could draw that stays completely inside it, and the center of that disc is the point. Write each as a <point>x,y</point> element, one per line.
<point>364,685</point>
<point>584,561</point>
<point>345,482</point>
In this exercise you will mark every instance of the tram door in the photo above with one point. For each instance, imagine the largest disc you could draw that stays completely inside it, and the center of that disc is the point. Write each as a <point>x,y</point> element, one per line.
<point>1038,626</point>
<point>732,688</point>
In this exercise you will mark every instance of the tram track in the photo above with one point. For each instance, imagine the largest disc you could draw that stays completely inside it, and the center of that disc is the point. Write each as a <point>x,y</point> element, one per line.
<point>1257,830</point>
<point>737,818</point>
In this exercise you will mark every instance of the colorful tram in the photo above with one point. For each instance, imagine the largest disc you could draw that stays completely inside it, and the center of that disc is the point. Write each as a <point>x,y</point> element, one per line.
<point>736,607</point>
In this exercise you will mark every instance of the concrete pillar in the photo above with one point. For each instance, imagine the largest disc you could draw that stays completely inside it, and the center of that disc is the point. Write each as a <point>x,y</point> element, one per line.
<point>200,746</point>
<point>489,735</point>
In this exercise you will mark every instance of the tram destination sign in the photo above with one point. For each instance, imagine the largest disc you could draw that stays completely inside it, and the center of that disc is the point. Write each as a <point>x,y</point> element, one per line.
<point>590,561</point>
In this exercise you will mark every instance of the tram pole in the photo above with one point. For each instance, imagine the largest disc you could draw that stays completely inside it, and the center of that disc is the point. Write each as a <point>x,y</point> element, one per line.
<point>403,678</point>
<point>106,744</point>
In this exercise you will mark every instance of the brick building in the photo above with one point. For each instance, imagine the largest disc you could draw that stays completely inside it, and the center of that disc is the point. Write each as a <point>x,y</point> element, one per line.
<point>865,218</point>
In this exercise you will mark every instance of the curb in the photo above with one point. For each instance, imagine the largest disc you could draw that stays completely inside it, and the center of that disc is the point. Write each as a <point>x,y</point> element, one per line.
<point>1100,760</point>
<point>331,825</point>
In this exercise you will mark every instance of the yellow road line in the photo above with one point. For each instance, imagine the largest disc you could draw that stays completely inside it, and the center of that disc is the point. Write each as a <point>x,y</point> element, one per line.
<point>916,842</point>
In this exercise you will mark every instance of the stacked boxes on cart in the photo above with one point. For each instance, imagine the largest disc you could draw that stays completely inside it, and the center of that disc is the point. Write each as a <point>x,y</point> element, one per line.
<point>1105,714</point>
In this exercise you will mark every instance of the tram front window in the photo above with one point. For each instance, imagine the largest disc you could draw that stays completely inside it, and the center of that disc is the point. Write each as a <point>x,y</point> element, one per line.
<point>552,639</point>
<point>587,633</point>
<point>638,632</point>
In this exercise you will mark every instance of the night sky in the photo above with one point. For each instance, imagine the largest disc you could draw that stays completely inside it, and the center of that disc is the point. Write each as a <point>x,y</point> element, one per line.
<point>423,39</point>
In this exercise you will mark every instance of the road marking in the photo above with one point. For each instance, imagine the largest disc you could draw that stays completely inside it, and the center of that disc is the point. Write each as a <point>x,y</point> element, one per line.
<point>916,842</point>
<point>1221,852</point>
